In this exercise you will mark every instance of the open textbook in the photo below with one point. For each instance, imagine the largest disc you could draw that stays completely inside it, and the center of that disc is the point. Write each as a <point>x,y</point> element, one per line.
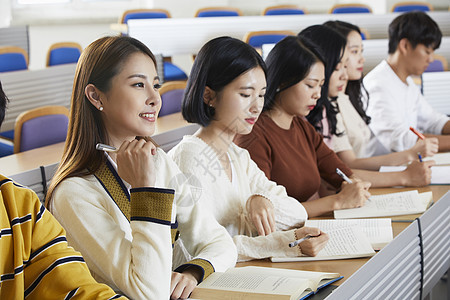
<point>262,283</point>
<point>377,231</point>
<point>395,204</point>
<point>344,242</point>
<point>439,174</point>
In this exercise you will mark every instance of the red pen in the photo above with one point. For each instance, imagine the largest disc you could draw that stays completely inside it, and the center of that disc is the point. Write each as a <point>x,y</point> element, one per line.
<point>421,136</point>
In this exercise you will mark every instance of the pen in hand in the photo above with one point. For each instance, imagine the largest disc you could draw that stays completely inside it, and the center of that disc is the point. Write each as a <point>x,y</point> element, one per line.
<point>340,173</point>
<point>420,157</point>
<point>295,243</point>
<point>421,136</point>
<point>107,148</point>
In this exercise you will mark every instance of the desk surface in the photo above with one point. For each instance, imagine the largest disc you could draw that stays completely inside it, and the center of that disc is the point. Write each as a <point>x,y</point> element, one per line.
<point>347,267</point>
<point>20,162</point>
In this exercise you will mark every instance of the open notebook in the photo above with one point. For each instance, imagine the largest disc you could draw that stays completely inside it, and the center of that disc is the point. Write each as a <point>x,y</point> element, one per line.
<point>344,243</point>
<point>395,204</point>
<point>377,231</point>
<point>439,174</point>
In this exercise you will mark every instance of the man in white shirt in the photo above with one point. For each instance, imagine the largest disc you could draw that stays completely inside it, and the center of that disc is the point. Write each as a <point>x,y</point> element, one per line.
<point>395,101</point>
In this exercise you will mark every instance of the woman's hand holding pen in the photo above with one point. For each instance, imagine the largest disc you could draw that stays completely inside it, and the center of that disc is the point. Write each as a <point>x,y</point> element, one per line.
<point>135,163</point>
<point>352,194</point>
<point>311,246</point>
<point>260,211</point>
<point>427,147</point>
<point>418,173</point>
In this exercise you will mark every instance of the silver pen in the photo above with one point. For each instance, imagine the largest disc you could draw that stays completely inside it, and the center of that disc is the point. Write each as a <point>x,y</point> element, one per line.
<point>295,243</point>
<point>340,173</point>
<point>107,148</point>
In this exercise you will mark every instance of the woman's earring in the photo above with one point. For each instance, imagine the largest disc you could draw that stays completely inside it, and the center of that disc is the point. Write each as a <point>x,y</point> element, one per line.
<point>100,108</point>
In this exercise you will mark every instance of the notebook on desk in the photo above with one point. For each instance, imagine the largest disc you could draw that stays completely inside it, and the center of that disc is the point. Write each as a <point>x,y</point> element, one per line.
<point>439,174</point>
<point>394,204</point>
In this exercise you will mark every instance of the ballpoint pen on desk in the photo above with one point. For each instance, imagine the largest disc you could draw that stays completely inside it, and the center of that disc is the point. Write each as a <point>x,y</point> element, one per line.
<point>340,173</point>
<point>295,243</point>
<point>421,136</point>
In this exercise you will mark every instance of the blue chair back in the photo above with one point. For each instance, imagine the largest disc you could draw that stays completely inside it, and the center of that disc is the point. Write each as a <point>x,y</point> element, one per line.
<point>13,59</point>
<point>279,12</point>
<point>218,12</point>
<point>40,127</point>
<point>63,55</point>
<point>148,14</point>
<point>258,40</point>
<point>350,9</point>
<point>171,97</point>
<point>435,66</point>
<point>411,7</point>
<point>43,131</point>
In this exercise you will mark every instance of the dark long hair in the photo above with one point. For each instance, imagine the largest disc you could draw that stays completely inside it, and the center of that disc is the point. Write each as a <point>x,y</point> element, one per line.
<point>3,102</point>
<point>355,88</point>
<point>332,45</point>
<point>98,64</point>
<point>288,63</point>
<point>219,62</point>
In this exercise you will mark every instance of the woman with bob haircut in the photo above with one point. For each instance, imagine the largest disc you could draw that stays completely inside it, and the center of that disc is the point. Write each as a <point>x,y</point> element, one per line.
<point>122,209</point>
<point>416,174</point>
<point>351,146</point>
<point>283,144</point>
<point>225,95</point>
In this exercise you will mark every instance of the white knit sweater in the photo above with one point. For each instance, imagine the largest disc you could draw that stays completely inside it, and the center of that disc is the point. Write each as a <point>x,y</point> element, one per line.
<point>135,256</point>
<point>228,205</point>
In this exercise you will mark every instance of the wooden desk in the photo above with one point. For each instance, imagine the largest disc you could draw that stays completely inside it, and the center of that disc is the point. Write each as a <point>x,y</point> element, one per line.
<point>347,267</point>
<point>24,161</point>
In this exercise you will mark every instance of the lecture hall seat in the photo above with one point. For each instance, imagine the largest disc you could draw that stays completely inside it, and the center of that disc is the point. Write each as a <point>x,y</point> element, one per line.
<point>171,71</point>
<point>439,64</point>
<point>172,93</point>
<point>40,127</point>
<point>411,6</point>
<point>13,58</point>
<point>218,11</point>
<point>63,53</point>
<point>278,10</point>
<point>350,8</point>
<point>257,38</point>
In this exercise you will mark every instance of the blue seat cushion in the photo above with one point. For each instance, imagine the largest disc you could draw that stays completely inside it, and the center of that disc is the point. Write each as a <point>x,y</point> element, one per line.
<point>172,72</point>
<point>9,135</point>
<point>6,149</point>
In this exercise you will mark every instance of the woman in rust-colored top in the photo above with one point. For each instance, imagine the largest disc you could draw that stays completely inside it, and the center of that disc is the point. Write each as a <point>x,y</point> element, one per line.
<point>284,145</point>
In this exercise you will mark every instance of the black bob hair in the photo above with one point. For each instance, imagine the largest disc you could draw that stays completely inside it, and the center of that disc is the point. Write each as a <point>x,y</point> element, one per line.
<point>219,62</point>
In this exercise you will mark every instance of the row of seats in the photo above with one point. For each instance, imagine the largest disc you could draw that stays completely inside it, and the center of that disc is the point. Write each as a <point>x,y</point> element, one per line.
<point>47,125</point>
<point>14,58</point>
<point>279,10</point>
